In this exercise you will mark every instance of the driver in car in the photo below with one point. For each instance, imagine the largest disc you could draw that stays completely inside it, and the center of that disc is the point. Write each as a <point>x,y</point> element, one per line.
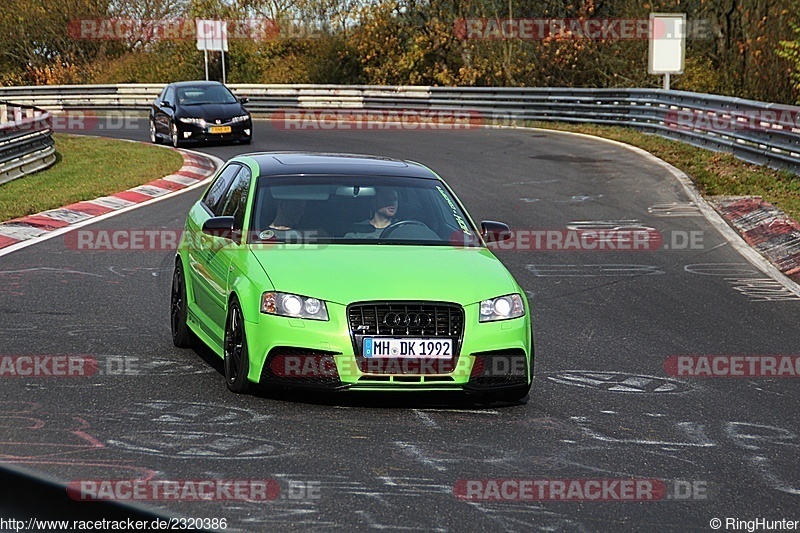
<point>384,209</point>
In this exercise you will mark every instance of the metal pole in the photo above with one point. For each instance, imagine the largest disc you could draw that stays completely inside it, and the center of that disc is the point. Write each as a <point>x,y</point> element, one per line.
<point>223,66</point>
<point>666,81</point>
<point>205,53</point>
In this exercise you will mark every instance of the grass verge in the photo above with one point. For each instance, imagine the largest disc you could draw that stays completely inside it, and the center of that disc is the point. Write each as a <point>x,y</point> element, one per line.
<point>716,174</point>
<point>86,168</point>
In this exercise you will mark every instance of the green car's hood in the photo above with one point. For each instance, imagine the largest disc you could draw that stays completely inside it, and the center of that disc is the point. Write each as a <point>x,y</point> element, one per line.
<point>346,273</point>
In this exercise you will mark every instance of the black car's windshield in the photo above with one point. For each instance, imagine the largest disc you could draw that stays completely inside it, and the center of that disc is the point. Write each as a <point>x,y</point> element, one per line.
<point>211,94</point>
<point>358,210</point>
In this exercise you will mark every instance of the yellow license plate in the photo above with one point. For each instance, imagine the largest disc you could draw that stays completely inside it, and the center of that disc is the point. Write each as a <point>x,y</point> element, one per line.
<point>219,129</point>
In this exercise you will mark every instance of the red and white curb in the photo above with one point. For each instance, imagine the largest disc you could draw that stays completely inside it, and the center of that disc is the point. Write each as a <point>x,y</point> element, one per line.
<point>196,169</point>
<point>766,228</point>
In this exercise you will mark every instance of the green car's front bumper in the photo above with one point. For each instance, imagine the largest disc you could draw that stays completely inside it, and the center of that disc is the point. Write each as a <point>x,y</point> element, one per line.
<point>312,354</point>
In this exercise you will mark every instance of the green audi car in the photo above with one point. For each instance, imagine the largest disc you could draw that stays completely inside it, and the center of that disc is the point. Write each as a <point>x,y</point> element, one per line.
<point>345,272</point>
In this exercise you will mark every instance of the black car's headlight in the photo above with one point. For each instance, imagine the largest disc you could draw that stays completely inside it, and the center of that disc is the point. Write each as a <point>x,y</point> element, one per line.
<point>293,305</point>
<point>192,120</point>
<point>502,308</point>
<point>241,118</point>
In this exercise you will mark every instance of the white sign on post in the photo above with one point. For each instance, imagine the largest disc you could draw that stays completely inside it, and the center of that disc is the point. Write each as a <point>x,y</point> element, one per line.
<point>212,35</point>
<point>667,50</point>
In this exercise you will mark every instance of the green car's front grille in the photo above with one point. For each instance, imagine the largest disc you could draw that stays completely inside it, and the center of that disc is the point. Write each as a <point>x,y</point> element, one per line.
<point>405,319</point>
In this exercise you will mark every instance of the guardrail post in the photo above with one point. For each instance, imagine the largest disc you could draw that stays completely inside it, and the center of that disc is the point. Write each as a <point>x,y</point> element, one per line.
<point>17,114</point>
<point>3,113</point>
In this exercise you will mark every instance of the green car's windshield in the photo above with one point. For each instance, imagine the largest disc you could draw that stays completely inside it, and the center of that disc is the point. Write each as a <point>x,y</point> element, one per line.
<point>358,210</point>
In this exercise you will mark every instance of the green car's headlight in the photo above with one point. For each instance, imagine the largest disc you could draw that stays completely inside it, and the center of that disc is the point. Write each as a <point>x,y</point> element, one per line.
<point>502,308</point>
<point>292,305</point>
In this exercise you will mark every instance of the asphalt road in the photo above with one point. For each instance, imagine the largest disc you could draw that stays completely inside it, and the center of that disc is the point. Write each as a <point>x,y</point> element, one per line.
<point>602,406</point>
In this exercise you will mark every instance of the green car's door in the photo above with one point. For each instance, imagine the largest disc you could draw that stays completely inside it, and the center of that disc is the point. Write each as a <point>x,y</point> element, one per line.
<point>209,256</point>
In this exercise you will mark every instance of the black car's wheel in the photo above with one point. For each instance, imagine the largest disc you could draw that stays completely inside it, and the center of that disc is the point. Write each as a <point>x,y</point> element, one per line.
<point>174,135</point>
<point>182,336</point>
<point>153,136</point>
<point>236,359</point>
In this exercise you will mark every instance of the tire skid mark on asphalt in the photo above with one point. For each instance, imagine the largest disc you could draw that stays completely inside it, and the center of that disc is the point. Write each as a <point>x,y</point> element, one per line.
<point>184,413</point>
<point>373,523</point>
<point>126,272</point>
<point>508,514</point>
<point>48,269</point>
<point>426,419</point>
<point>15,282</point>
<point>201,445</point>
<point>436,456</point>
<point>675,209</point>
<point>762,290</point>
<point>62,440</point>
<point>383,490</point>
<point>416,453</point>
<point>574,270</point>
<point>721,269</point>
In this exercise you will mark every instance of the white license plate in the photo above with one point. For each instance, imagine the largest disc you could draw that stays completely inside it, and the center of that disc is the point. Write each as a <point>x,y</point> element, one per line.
<point>408,348</point>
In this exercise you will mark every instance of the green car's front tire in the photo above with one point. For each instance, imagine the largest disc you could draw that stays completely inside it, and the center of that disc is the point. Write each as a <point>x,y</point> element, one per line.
<point>236,360</point>
<point>182,336</point>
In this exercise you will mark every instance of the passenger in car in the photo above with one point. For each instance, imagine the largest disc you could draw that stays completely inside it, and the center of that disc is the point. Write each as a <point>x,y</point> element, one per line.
<point>288,214</point>
<point>284,225</point>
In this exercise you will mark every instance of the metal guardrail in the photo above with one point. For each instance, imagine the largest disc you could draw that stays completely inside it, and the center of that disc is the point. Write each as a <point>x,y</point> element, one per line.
<point>757,132</point>
<point>26,142</point>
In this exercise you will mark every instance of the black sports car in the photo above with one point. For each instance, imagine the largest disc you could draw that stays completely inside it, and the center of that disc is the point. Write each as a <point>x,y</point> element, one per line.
<point>191,111</point>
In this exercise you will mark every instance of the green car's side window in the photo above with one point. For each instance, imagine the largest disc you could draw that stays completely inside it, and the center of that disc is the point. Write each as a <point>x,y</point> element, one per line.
<point>216,193</point>
<point>235,201</point>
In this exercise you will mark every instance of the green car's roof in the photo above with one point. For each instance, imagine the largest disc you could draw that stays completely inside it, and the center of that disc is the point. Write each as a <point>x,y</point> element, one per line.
<point>309,163</point>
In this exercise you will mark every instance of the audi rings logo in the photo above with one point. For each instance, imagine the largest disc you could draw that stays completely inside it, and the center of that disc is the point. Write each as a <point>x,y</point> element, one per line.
<point>420,320</point>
